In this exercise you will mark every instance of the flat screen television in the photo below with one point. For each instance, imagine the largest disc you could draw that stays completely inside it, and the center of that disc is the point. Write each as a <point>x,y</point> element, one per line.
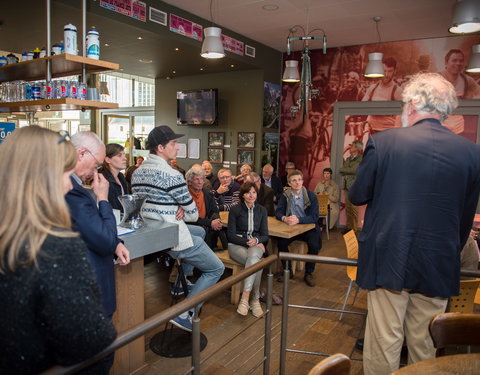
<point>197,107</point>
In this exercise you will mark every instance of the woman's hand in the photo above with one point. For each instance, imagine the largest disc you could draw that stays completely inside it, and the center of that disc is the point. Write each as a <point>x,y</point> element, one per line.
<point>251,242</point>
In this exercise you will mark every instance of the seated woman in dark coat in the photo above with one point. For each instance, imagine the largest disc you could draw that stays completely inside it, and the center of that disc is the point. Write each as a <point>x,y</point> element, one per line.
<point>115,161</point>
<point>51,311</point>
<point>247,237</point>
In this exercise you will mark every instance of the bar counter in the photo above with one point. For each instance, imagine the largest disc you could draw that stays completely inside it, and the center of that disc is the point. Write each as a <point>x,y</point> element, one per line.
<point>155,236</point>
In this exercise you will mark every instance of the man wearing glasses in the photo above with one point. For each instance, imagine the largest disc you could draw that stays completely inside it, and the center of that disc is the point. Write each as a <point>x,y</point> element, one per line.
<point>96,223</point>
<point>226,190</point>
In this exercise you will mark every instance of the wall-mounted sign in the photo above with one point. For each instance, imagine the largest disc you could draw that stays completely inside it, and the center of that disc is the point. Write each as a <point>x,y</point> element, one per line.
<point>233,45</point>
<point>6,128</point>
<point>185,27</point>
<point>131,8</point>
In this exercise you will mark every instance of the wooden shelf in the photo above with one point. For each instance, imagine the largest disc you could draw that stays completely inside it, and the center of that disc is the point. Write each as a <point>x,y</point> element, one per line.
<point>62,66</point>
<point>54,105</point>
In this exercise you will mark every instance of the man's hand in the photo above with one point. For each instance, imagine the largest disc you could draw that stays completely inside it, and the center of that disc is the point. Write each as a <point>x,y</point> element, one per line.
<point>216,224</point>
<point>222,189</point>
<point>291,220</point>
<point>100,186</point>
<point>123,254</point>
<point>180,213</point>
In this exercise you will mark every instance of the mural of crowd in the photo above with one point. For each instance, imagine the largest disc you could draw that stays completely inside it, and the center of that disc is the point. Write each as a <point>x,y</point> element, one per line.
<point>338,76</point>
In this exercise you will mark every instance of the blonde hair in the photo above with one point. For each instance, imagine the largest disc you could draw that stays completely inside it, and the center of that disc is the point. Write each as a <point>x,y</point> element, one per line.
<point>32,194</point>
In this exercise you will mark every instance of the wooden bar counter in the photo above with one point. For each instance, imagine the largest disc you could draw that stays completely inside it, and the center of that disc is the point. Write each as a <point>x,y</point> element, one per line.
<point>155,236</point>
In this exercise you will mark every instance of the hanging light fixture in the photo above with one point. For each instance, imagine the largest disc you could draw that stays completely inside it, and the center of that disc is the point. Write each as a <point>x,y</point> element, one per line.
<point>374,67</point>
<point>466,17</point>
<point>291,74</point>
<point>212,46</point>
<point>474,63</point>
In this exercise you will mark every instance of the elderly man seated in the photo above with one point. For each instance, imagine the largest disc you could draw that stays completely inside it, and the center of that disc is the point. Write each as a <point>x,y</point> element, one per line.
<point>208,217</point>
<point>265,194</point>
<point>226,190</point>
<point>210,178</point>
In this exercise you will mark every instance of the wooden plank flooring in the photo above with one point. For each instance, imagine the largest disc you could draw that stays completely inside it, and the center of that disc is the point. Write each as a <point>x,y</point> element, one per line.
<point>309,330</point>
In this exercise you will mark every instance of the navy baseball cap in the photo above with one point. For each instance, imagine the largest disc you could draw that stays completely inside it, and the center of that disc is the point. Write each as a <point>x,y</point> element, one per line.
<point>161,135</point>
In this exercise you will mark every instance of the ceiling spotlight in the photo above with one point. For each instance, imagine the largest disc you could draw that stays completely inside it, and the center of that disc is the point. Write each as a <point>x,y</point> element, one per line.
<point>145,61</point>
<point>177,49</point>
<point>232,66</point>
<point>270,7</point>
<point>107,45</point>
<point>139,38</point>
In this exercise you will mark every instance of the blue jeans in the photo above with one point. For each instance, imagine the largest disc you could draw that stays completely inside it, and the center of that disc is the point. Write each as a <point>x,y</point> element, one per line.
<point>200,256</point>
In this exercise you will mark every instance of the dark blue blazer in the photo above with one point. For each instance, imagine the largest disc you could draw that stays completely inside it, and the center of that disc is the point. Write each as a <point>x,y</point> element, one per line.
<point>421,184</point>
<point>277,186</point>
<point>98,229</point>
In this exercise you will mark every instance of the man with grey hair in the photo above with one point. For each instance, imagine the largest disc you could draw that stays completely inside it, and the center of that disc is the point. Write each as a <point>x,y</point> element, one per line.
<point>96,223</point>
<point>349,171</point>
<point>421,184</point>
<point>226,190</point>
<point>208,215</point>
<point>289,167</point>
<point>245,169</point>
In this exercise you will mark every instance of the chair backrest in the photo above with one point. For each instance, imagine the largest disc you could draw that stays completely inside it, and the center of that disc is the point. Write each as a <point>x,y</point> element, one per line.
<point>465,300</point>
<point>322,204</point>
<point>337,364</point>
<point>352,252</point>
<point>454,329</point>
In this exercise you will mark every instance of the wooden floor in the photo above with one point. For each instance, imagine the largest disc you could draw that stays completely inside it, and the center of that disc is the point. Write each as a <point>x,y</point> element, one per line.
<point>309,330</point>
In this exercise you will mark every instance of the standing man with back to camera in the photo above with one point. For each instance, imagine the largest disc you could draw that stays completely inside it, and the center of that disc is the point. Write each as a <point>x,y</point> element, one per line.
<point>421,184</point>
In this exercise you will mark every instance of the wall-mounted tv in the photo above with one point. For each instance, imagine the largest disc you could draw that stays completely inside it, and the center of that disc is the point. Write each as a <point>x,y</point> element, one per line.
<point>197,107</point>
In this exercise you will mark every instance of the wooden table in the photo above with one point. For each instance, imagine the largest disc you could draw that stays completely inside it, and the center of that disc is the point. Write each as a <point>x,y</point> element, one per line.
<point>276,228</point>
<point>460,364</point>
<point>129,280</point>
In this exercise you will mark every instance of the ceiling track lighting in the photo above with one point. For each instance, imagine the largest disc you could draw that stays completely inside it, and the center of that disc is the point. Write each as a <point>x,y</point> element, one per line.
<point>374,67</point>
<point>291,73</point>
<point>466,17</point>
<point>212,46</point>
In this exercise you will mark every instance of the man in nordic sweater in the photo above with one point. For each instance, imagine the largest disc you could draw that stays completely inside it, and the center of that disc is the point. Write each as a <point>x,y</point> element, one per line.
<point>169,200</point>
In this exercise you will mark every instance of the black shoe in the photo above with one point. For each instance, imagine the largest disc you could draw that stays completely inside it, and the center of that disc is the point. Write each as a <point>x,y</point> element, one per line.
<point>359,344</point>
<point>309,280</point>
<point>280,277</point>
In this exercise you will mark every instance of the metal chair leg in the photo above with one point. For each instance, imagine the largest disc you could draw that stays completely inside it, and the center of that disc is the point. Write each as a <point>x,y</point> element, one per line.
<point>346,298</point>
<point>355,296</point>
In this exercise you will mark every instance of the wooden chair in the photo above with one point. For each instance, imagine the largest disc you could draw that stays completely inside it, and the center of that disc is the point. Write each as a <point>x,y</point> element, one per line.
<point>323,211</point>
<point>336,364</point>
<point>454,329</point>
<point>352,252</point>
<point>465,300</point>
<point>236,268</point>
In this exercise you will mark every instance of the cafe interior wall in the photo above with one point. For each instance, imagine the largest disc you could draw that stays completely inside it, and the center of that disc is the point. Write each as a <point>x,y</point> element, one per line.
<point>329,75</point>
<point>240,107</point>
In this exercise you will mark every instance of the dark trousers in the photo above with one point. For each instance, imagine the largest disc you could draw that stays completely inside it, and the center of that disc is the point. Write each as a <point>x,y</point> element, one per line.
<point>313,239</point>
<point>211,238</point>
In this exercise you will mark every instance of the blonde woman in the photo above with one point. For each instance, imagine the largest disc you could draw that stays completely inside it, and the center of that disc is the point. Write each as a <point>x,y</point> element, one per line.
<point>51,311</point>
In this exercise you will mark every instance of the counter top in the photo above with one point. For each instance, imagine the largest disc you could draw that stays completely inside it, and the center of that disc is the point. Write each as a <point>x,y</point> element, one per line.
<point>155,236</point>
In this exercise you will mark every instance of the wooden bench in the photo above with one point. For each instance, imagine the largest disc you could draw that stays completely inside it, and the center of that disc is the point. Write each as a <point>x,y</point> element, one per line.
<point>235,267</point>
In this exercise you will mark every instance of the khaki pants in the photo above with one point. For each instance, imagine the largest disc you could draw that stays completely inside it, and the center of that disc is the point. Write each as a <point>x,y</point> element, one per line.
<point>351,212</point>
<point>393,315</point>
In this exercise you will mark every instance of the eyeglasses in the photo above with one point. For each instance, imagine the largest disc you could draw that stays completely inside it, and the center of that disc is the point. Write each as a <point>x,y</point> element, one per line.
<point>224,177</point>
<point>99,165</point>
<point>64,137</point>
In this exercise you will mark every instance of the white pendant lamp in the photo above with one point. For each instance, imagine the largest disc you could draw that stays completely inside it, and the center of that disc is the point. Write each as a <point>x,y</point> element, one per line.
<point>466,17</point>
<point>474,63</point>
<point>212,47</point>
<point>291,73</point>
<point>375,65</point>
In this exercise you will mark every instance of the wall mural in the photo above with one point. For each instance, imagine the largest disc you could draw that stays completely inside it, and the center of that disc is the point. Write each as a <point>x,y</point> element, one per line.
<point>338,76</point>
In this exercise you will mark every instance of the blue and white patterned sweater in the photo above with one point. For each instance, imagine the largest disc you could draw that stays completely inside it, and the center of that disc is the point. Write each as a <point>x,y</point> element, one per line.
<point>166,190</point>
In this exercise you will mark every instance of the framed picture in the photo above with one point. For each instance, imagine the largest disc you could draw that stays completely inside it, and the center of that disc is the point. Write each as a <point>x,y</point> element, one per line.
<point>194,148</point>
<point>246,140</point>
<point>182,151</point>
<point>245,157</point>
<point>215,155</point>
<point>216,139</point>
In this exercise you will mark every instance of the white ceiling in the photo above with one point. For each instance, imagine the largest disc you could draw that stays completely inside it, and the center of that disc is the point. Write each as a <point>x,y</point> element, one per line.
<point>346,22</point>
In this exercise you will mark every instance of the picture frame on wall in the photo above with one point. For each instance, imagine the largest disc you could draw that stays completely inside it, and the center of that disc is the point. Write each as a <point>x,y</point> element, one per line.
<point>215,155</point>
<point>182,150</point>
<point>246,140</point>
<point>246,157</point>
<point>216,139</point>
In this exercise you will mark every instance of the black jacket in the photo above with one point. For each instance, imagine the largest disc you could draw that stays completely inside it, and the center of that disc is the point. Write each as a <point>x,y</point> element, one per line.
<point>277,186</point>
<point>265,199</point>
<point>114,190</point>
<point>238,224</point>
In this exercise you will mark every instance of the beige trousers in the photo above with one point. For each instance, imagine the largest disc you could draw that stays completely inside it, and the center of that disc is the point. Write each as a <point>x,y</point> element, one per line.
<point>393,315</point>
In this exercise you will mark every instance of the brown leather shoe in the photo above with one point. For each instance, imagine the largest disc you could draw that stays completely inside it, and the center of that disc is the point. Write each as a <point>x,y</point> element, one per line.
<point>309,279</point>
